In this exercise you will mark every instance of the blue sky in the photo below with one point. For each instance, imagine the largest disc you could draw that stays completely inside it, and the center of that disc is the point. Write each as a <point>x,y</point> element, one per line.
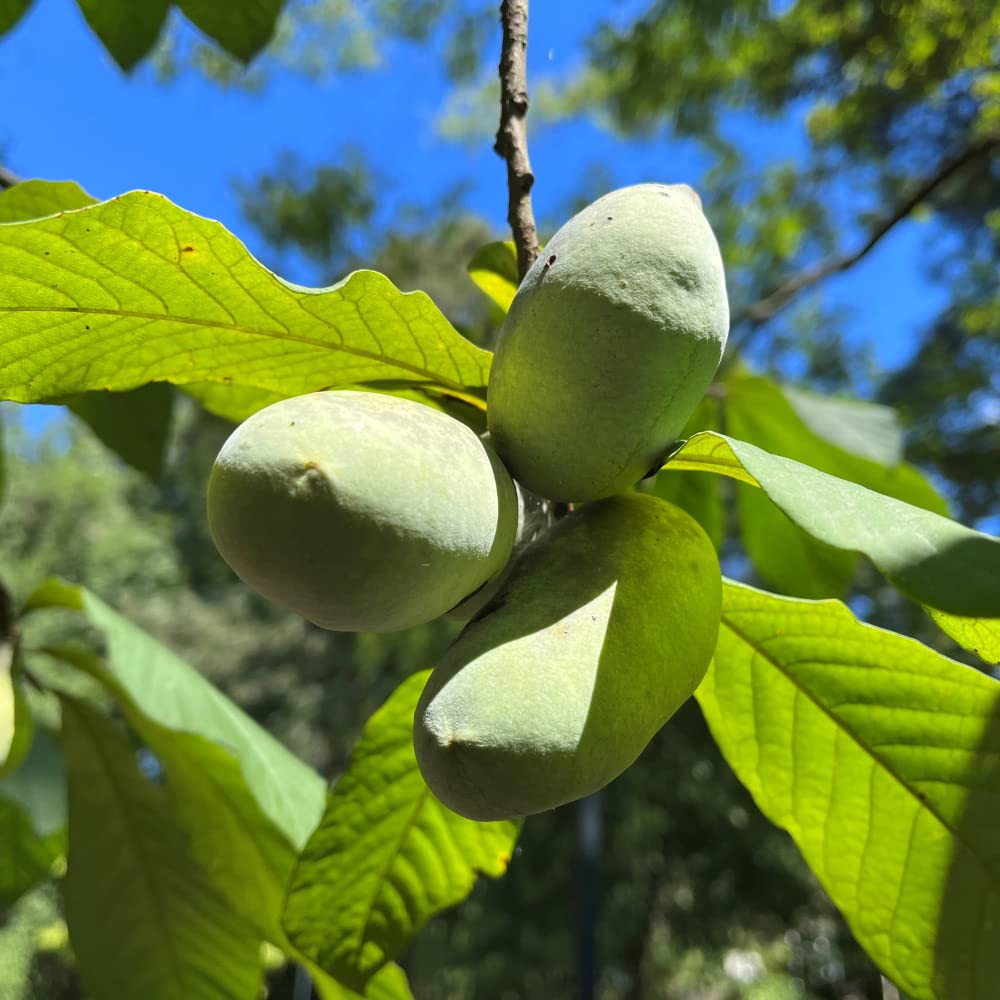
<point>70,113</point>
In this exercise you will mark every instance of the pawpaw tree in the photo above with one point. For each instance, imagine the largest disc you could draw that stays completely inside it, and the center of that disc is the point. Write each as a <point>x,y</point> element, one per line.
<point>185,867</point>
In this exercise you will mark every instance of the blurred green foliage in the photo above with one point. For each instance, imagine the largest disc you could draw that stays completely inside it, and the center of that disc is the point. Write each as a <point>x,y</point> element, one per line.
<point>701,897</point>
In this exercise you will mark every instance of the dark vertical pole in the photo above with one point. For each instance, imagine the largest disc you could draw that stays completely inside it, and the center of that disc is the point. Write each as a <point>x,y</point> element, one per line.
<point>589,834</point>
<point>303,988</point>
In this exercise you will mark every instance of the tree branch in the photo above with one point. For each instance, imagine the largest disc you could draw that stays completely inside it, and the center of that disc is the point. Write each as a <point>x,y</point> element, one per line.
<point>512,136</point>
<point>764,309</point>
<point>7,178</point>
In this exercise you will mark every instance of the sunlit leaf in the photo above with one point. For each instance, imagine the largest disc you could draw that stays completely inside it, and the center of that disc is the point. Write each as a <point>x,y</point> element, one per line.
<point>136,290</point>
<point>387,855</point>
<point>162,932</point>
<point>882,759</point>
<point>934,560</point>
<point>494,269</point>
<point>978,635</point>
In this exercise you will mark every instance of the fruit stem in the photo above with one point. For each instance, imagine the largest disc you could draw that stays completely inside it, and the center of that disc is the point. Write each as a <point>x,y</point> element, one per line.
<point>512,135</point>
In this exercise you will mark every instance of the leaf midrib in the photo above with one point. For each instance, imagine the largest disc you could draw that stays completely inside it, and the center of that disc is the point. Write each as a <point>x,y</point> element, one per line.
<point>434,377</point>
<point>922,801</point>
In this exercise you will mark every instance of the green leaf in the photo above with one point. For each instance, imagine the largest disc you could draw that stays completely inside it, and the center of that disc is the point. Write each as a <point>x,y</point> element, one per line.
<point>868,430</point>
<point>173,694</point>
<point>32,818</point>
<point>700,496</point>
<point>143,918</point>
<point>128,29</point>
<point>35,199</point>
<point>932,559</point>
<point>245,856</point>
<point>757,410</point>
<point>882,759</point>
<point>11,11</point>
<point>242,27</point>
<point>22,725</point>
<point>135,425</point>
<point>494,269</point>
<point>978,635</point>
<point>26,859</point>
<point>193,306</point>
<point>132,424</point>
<point>387,855</point>
<point>38,786</point>
<point>389,983</point>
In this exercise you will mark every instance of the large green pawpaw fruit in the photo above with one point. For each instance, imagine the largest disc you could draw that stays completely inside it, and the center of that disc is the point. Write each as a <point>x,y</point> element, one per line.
<point>610,342</point>
<point>603,629</point>
<point>360,511</point>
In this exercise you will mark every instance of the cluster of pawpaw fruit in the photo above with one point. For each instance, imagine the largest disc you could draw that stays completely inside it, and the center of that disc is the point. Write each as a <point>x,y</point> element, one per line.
<point>367,512</point>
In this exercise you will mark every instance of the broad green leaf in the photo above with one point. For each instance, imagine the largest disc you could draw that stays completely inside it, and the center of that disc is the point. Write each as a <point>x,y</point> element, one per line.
<point>247,859</point>
<point>26,858</point>
<point>136,290</point>
<point>135,425</point>
<point>174,695</point>
<point>978,635</point>
<point>700,496</point>
<point>242,27</point>
<point>127,29</point>
<point>143,917</point>
<point>389,983</point>
<point>32,818</point>
<point>387,855</point>
<point>494,269</point>
<point>882,759</point>
<point>132,424</point>
<point>11,11</point>
<point>231,402</point>
<point>35,199</point>
<point>869,430</point>
<point>935,561</point>
<point>757,411</point>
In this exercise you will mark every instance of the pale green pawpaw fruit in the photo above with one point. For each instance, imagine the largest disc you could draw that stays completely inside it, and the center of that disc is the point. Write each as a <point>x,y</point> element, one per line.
<point>361,511</point>
<point>609,344</point>
<point>603,629</point>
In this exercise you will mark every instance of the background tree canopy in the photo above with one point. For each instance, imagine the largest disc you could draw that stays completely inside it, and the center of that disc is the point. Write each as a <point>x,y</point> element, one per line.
<point>889,114</point>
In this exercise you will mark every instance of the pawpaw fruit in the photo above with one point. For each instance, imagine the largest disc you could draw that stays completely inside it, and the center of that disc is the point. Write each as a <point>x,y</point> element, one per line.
<point>603,629</point>
<point>361,511</point>
<point>610,342</point>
